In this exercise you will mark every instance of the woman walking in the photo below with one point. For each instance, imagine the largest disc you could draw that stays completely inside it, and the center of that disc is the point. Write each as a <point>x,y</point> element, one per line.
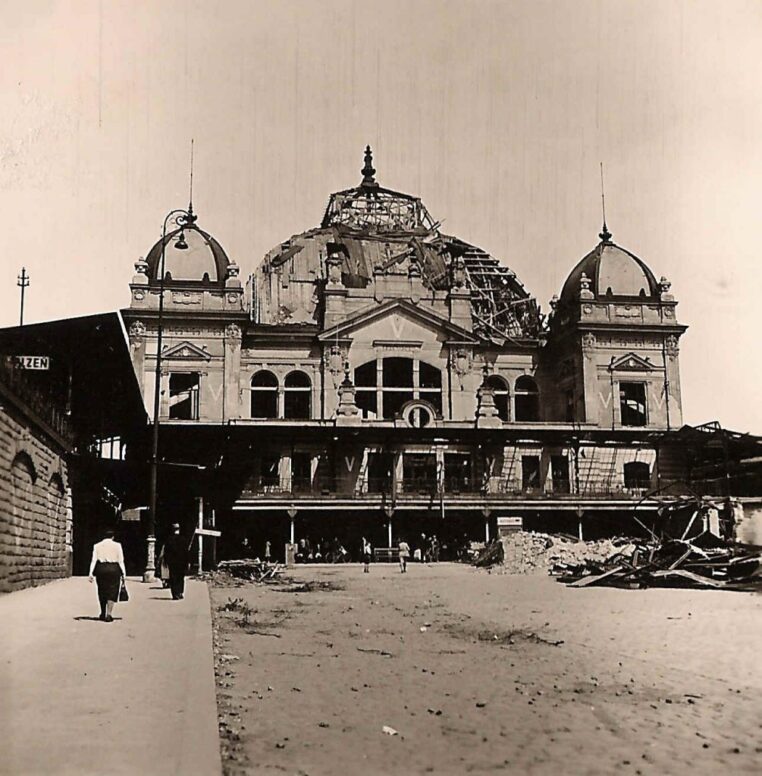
<point>107,568</point>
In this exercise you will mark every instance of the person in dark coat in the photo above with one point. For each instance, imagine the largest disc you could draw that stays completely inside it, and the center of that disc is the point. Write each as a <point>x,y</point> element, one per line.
<point>176,557</point>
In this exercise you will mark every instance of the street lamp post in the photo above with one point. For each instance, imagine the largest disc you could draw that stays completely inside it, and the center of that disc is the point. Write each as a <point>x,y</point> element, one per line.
<point>182,218</point>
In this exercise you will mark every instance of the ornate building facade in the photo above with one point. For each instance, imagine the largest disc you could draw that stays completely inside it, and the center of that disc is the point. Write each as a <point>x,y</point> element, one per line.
<point>376,376</point>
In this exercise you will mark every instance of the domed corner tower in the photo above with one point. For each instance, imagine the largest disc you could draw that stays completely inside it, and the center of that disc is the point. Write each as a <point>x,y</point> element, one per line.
<point>200,319</point>
<point>376,272</point>
<point>612,348</point>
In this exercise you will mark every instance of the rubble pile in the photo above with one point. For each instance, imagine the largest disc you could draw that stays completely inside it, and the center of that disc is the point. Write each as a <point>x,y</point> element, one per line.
<point>706,561</point>
<point>253,570</point>
<point>527,552</point>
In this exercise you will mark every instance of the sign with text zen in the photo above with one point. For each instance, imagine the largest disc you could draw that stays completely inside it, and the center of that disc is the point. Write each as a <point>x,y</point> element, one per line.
<point>37,363</point>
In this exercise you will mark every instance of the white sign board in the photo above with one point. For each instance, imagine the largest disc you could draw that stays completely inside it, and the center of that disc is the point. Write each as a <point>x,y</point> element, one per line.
<point>40,363</point>
<point>208,532</point>
<point>510,522</point>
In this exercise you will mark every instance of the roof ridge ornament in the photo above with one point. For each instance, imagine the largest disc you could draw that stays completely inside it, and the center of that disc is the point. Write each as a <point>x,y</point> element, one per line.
<point>604,234</point>
<point>368,171</point>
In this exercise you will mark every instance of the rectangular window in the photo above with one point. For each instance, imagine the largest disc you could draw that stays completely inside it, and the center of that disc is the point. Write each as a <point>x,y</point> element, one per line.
<point>301,472</point>
<point>269,471</point>
<point>559,472</point>
<point>380,472</point>
<point>570,414</point>
<point>393,401</point>
<point>637,474</point>
<point>457,472</point>
<point>419,472</point>
<point>367,402</point>
<point>632,403</point>
<point>183,395</point>
<point>530,472</point>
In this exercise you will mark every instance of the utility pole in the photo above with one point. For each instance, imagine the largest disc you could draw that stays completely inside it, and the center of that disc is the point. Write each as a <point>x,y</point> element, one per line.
<point>22,283</point>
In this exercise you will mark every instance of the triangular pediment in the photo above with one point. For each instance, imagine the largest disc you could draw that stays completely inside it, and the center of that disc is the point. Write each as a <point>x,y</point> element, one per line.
<point>405,310</point>
<point>186,351</point>
<point>632,362</point>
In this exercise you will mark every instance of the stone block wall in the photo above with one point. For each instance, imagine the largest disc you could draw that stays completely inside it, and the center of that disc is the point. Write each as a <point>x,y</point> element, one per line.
<point>35,505</point>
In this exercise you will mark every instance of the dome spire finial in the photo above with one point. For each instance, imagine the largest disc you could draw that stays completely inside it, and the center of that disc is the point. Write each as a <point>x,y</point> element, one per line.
<point>368,170</point>
<point>191,214</point>
<point>604,234</point>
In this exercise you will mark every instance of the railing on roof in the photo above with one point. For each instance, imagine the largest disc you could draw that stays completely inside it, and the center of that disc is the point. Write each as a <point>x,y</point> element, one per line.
<point>35,401</point>
<point>496,488</point>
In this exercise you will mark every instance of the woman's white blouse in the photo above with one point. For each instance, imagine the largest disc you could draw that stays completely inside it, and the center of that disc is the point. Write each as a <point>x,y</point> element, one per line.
<point>107,551</point>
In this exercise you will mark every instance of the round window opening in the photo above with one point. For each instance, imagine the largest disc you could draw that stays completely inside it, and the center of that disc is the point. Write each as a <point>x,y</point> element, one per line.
<point>418,416</point>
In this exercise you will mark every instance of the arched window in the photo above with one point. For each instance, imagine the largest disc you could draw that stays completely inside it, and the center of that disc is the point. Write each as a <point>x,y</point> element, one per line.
<point>56,514</point>
<point>637,474</point>
<point>19,519</point>
<point>501,393</point>
<point>264,395</point>
<point>527,400</point>
<point>386,384</point>
<point>296,401</point>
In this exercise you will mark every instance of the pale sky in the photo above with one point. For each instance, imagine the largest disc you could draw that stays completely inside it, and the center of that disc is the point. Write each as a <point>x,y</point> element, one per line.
<point>496,113</point>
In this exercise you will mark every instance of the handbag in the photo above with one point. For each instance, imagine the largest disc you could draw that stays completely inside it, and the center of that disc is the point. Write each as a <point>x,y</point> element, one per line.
<point>123,594</point>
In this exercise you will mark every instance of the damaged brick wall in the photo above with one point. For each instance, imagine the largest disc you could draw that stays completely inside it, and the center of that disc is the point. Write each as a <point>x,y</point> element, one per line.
<point>35,506</point>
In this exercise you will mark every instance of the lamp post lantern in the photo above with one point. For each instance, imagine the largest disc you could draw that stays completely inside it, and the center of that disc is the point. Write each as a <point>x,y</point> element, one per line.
<point>181,218</point>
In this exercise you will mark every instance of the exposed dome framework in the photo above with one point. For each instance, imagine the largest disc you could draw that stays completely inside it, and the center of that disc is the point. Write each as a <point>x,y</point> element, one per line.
<point>378,230</point>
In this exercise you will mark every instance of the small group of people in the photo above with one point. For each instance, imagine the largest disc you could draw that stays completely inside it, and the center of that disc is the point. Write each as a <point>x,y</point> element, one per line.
<point>108,571</point>
<point>330,551</point>
<point>428,549</point>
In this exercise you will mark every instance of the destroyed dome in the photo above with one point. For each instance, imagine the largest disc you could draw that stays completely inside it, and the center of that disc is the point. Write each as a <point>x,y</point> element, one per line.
<point>611,271</point>
<point>204,260</point>
<point>380,231</point>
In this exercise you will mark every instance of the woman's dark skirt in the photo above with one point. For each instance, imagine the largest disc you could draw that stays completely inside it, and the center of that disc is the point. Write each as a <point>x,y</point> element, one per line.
<point>108,576</point>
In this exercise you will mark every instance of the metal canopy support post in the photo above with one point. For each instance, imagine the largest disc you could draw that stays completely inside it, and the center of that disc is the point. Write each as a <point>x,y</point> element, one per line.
<point>200,535</point>
<point>292,516</point>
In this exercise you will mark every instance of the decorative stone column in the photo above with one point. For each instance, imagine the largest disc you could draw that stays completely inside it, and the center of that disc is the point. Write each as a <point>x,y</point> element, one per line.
<point>594,391</point>
<point>486,410</point>
<point>233,337</point>
<point>347,413</point>
<point>137,335</point>
<point>459,298</point>
<point>335,293</point>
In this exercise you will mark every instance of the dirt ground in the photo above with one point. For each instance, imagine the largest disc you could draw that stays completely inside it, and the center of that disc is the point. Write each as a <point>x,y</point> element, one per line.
<point>480,672</point>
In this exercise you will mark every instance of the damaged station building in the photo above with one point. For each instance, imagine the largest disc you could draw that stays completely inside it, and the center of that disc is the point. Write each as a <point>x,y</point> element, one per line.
<point>373,377</point>
<point>377,377</point>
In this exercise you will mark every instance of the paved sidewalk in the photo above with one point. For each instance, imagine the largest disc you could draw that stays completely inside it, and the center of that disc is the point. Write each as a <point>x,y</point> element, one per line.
<point>81,696</point>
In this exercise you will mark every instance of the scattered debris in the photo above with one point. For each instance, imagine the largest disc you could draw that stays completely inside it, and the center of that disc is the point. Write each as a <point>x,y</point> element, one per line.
<point>706,561</point>
<point>381,652</point>
<point>254,570</point>
<point>312,587</point>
